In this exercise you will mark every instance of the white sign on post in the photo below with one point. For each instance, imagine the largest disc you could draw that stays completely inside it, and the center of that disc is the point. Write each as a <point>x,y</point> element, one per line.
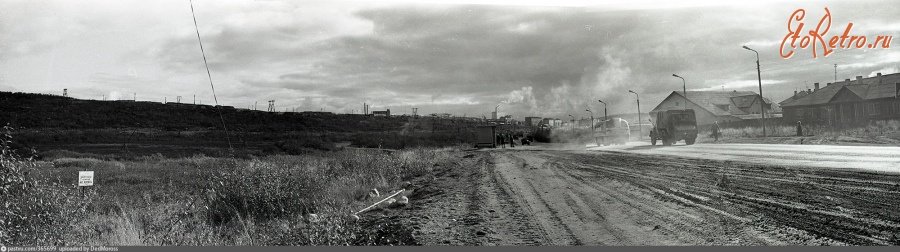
<point>85,178</point>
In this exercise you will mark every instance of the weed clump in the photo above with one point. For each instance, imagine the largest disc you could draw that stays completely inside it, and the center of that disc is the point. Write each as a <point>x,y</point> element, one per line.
<point>32,212</point>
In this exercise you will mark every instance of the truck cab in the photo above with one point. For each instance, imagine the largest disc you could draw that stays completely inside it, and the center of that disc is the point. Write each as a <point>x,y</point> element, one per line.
<point>612,131</point>
<point>671,126</point>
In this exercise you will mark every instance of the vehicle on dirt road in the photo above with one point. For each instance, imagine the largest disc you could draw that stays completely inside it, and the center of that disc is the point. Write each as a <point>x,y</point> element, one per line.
<point>671,126</point>
<point>612,131</point>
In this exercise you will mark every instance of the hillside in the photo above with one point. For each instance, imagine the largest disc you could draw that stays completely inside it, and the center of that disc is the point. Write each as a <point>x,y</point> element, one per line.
<point>51,111</point>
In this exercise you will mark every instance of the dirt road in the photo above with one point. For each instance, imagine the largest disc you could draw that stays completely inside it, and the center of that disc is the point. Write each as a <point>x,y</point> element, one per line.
<point>872,158</point>
<point>536,196</point>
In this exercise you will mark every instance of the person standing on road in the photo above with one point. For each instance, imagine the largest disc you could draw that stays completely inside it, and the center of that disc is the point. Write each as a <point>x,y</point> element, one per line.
<point>799,129</point>
<point>512,143</point>
<point>715,131</point>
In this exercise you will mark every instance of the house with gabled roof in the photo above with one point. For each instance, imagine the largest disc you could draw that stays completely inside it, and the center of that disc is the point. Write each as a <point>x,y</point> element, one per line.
<point>847,102</point>
<point>717,106</point>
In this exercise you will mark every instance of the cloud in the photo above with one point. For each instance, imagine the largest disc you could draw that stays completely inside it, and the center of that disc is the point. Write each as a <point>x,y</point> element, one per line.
<point>885,71</point>
<point>462,59</point>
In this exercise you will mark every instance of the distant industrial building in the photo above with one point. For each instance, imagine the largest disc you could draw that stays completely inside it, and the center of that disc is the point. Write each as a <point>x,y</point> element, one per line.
<point>552,122</point>
<point>382,113</point>
<point>846,103</point>
<point>721,106</point>
<point>533,121</point>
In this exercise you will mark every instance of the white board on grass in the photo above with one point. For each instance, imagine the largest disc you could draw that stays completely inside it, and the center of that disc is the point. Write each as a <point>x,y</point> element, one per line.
<point>85,178</point>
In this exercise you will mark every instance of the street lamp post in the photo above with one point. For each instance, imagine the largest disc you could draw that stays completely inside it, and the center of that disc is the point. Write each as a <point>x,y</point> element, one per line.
<point>592,125</point>
<point>640,125</point>
<point>762,111</point>
<point>605,115</point>
<point>683,89</point>
<point>573,126</point>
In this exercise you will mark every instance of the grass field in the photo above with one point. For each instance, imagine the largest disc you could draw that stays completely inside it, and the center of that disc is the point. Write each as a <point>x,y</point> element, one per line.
<point>201,200</point>
<point>876,133</point>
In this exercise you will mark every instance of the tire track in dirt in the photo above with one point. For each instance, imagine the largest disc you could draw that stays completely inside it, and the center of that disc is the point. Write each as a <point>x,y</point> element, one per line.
<point>551,197</point>
<point>686,226</point>
<point>799,203</point>
<point>510,172</point>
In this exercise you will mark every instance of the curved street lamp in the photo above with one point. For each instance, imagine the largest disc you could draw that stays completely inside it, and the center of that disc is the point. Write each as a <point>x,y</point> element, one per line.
<point>605,115</point>
<point>762,102</point>
<point>592,124</point>
<point>683,89</point>
<point>640,124</point>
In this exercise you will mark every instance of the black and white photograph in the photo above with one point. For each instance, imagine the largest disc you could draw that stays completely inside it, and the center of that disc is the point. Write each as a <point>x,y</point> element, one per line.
<point>282,123</point>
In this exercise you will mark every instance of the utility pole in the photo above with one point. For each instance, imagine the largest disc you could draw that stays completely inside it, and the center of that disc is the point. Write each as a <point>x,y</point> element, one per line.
<point>195,99</point>
<point>135,97</point>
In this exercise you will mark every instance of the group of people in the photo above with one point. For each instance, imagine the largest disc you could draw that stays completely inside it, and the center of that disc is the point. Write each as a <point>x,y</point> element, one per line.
<point>508,138</point>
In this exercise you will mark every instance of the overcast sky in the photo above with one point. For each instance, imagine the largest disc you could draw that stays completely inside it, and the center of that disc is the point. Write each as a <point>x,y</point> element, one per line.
<point>550,58</point>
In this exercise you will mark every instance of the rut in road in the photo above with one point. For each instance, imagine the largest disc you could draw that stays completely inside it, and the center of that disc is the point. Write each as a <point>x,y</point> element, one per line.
<point>786,204</point>
<point>550,197</point>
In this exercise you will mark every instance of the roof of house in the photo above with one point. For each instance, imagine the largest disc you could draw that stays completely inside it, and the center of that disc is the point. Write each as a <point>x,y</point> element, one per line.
<point>802,93</point>
<point>887,87</point>
<point>715,101</point>
<point>868,89</point>
<point>858,90</point>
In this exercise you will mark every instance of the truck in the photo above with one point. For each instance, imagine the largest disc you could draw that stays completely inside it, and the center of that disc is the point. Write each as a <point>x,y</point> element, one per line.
<point>612,131</point>
<point>674,125</point>
<point>485,136</point>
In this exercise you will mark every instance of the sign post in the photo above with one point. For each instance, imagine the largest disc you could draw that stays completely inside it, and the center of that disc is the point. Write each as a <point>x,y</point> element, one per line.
<point>85,179</point>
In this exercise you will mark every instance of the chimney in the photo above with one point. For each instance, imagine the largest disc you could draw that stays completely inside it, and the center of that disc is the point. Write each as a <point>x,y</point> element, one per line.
<point>795,92</point>
<point>816,86</point>
<point>859,79</point>
<point>808,90</point>
<point>847,81</point>
<point>879,78</point>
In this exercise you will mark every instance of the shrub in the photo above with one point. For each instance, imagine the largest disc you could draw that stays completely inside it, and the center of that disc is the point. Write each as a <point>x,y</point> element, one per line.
<point>33,212</point>
<point>283,186</point>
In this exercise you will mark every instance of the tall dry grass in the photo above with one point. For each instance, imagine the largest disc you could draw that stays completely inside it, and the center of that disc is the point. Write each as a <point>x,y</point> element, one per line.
<point>220,201</point>
<point>885,131</point>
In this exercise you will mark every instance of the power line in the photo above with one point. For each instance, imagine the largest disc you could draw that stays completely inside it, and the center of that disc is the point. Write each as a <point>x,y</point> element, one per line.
<point>216,100</point>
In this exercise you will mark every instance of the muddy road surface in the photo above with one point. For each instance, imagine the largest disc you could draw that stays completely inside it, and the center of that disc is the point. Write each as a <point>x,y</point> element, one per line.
<point>871,158</point>
<point>534,196</point>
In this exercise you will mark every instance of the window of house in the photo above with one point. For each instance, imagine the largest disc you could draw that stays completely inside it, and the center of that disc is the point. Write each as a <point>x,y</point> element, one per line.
<point>871,109</point>
<point>799,112</point>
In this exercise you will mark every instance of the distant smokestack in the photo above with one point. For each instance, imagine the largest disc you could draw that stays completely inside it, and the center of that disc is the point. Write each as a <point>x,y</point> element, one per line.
<point>859,79</point>
<point>816,86</point>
